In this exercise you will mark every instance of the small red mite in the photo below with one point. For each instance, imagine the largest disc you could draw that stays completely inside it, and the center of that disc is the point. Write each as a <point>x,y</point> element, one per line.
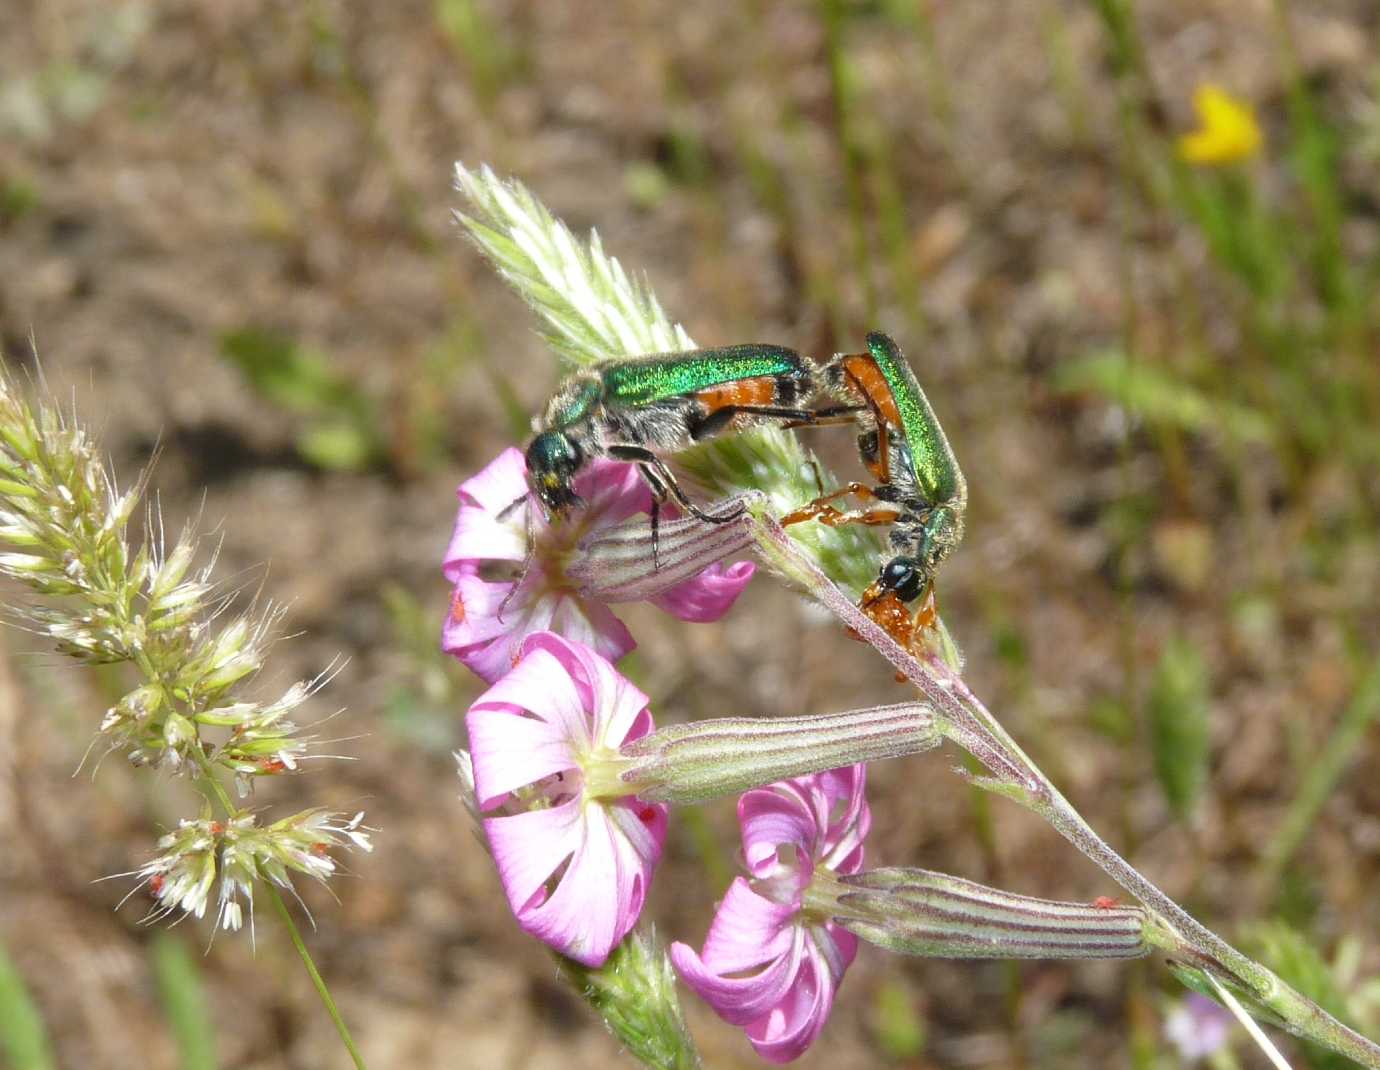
<point>156,883</point>
<point>217,829</point>
<point>1106,902</point>
<point>272,765</point>
<point>319,849</point>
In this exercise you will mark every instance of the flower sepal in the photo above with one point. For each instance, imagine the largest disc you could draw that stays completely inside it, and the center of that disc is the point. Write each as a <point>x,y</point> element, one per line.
<point>632,562</point>
<point>701,760</point>
<point>920,912</point>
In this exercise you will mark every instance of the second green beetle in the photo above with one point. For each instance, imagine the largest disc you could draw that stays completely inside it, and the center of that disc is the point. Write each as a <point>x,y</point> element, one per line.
<point>920,487</point>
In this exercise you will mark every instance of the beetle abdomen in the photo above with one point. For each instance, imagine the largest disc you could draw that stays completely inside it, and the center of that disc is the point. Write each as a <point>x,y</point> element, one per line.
<point>858,374</point>
<point>761,390</point>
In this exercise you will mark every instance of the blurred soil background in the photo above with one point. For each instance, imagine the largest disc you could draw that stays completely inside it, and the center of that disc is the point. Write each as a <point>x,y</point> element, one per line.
<point>225,227</point>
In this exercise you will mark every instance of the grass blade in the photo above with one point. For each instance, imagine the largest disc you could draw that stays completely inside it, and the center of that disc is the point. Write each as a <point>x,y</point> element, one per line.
<point>23,1037</point>
<point>184,1002</point>
<point>1322,775</point>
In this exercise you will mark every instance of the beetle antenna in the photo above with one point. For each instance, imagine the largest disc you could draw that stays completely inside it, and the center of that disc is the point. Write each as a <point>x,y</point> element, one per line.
<point>656,527</point>
<point>507,511</point>
<point>526,560</point>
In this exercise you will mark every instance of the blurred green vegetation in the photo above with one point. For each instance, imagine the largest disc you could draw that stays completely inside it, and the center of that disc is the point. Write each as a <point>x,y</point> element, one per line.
<point>1179,708</point>
<point>896,1023</point>
<point>491,57</point>
<point>1321,777</point>
<point>70,90</point>
<point>432,689</point>
<point>1292,955</point>
<point>18,198</point>
<point>343,428</point>
<point>185,1004</point>
<point>1157,397</point>
<point>23,1037</point>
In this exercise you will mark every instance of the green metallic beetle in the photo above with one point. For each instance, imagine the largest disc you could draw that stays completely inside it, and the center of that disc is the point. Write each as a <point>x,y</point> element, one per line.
<point>920,486</point>
<point>639,408</point>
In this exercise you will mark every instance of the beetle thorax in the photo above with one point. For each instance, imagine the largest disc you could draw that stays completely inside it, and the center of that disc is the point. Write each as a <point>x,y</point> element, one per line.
<point>573,403</point>
<point>943,529</point>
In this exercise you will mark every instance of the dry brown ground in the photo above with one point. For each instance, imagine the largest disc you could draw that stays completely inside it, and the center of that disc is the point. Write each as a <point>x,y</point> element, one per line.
<point>286,165</point>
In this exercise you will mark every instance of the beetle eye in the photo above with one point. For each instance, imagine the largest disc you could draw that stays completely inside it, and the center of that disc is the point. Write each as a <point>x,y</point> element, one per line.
<point>903,575</point>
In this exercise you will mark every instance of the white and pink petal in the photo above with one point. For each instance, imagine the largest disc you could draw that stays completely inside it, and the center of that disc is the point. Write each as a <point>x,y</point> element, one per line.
<point>793,1024</point>
<point>770,819</point>
<point>529,847</point>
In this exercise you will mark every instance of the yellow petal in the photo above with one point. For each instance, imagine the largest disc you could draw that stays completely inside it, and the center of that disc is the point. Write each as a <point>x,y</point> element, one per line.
<point>1227,130</point>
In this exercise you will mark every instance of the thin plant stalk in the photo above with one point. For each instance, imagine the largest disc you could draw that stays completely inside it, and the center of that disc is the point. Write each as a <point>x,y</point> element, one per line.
<point>209,785</point>
<point>962,717</point>
<point>318,982</point>
<point>1249,1024</point>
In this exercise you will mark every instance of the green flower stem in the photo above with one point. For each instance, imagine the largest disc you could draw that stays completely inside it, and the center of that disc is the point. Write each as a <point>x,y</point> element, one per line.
<point>962,717</point>
<point>316,979</point>
<point>207,782</point>
<point>635,993</point>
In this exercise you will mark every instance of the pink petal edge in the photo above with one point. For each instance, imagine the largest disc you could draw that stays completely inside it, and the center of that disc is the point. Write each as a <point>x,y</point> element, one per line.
<point>708,596</point>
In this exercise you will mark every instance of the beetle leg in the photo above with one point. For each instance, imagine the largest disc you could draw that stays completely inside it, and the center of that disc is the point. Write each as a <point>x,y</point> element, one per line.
<point>819,508</point>
<point>835,518</point>
<point>721,417</point>
<point>507,510</point>
<point>658,496</point>
<point>834,414</point>
<point>527,559</point>
<point>662,479</point>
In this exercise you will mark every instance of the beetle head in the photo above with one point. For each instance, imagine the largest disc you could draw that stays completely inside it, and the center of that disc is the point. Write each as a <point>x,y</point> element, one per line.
<point>553,458</point>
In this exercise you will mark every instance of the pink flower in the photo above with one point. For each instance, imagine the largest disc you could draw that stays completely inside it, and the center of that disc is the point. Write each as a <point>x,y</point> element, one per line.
<point>575,852</point>
<point>557,593</point>
<point>773,959</point>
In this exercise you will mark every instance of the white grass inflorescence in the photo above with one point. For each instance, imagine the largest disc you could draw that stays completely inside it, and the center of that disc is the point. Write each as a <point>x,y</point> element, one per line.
<point>101,599</point>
